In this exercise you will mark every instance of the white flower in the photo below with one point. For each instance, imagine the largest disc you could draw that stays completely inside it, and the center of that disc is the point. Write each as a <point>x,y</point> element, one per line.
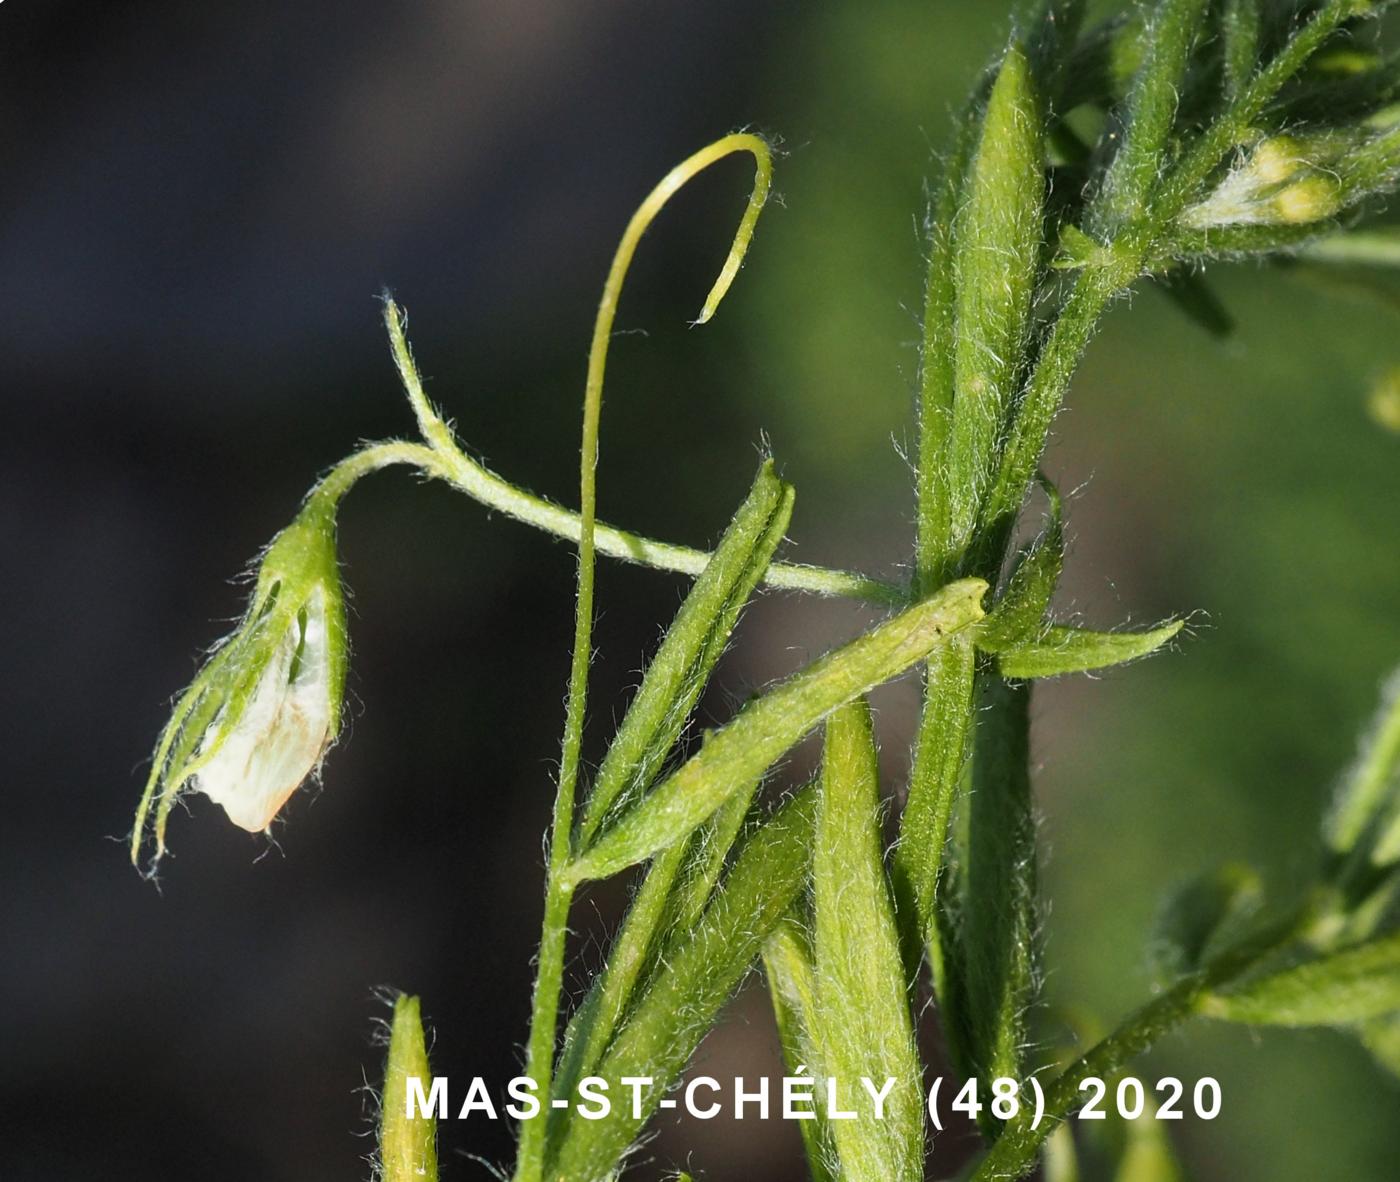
<point>266,706</point>
<point>278,739</point>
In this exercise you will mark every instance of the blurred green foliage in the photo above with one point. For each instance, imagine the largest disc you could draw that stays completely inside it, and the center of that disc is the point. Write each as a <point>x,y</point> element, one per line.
<point>1242,480</point>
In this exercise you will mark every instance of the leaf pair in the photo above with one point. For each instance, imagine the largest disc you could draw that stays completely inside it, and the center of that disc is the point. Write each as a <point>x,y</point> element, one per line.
<point>684,944</point>
<point>769,725</point>
<point>1027,645</point>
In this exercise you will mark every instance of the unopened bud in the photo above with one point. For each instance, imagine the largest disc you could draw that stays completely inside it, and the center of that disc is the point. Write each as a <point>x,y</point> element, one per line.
<point>1284,180</point>
<point>261,713</point>
<point>1276,159</point>
<point>1311,199</point>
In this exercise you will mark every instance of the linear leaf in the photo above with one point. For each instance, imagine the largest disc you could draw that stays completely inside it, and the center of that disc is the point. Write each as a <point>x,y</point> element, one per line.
<point>1019,616</point>
<point>787,963</point>
<point>694,642</point>
<point>407,1144</point>
<point>674,893</point>
<point>709,851</point>
<point>1376,246</point>
<point>689,989</point>
<point>1149,115</point>
<point>739,753</point>
<point>1368,797</point>
<point>863,1022</point>
<point>1197,301</point>
<point>1051,28</point>
<point>1075,650</point>
<point>1147,1153</point>
<point>937,371</point>
<point>1240,29</point>
<point>940,755</point>
<point>998,919</point>
<point>996,262</point>
<point>1354,985</point>
<point>1060,1161</point>
<point>592,1026</point>
<point>1381,1036</point>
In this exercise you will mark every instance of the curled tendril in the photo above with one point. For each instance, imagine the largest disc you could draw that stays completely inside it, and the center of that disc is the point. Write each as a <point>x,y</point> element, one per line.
<point>444,459</point>
<point>549,978</point>
<point>646,213</point>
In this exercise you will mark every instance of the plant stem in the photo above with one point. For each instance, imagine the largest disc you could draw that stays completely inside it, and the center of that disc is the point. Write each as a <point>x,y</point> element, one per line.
<point>1014,1155</point>
<point>445,460</point>
<point>1045,391</point>
<point>559,886</point>
<point>1377,248</point>
<point>370,458</point>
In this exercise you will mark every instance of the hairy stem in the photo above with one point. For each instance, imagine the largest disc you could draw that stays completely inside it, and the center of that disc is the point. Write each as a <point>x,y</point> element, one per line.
<point>559,886</point>
<point>1014,1155</point>
<point>445,460</point>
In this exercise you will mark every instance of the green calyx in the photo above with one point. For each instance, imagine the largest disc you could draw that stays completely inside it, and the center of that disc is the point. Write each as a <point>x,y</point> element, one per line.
<point>261,712</point>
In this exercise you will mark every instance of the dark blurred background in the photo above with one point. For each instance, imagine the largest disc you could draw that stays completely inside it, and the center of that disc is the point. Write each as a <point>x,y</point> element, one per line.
<point>200,204</point>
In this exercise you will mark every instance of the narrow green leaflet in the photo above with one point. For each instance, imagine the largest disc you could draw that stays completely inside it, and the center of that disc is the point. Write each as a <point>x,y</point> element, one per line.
<point>787,963</point>
<point>684,997</point>
<point>1074,650</point>
<point>1367,806</point>
<point>1019,616</point>
<point>1149,116</point>
<point>683,663</point>
<point>1200,915</point>
<point>998,920</point>
<point>936,360</point>
<point>996,262</point>
<point>1377,246</point>
<point>1197,301</point>
<point>407,1144</point>
<point>863,1022</point>
<point>1354,985</point>
<point>940,755</point>
<point>1100,68</point>
<point>592,1025</point>
<point>1239,22</point>
<point>1051,28</point>
<point>674,893</point>
<point>761,732</point>
<point>709,850</point>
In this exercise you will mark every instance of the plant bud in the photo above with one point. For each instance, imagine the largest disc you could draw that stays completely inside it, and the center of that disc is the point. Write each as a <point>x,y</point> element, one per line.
<point>1365,816</point>
<point>261,713</point>
<point>1303,178</point>
<point>1277,183</point>
<point>1311,199</point>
